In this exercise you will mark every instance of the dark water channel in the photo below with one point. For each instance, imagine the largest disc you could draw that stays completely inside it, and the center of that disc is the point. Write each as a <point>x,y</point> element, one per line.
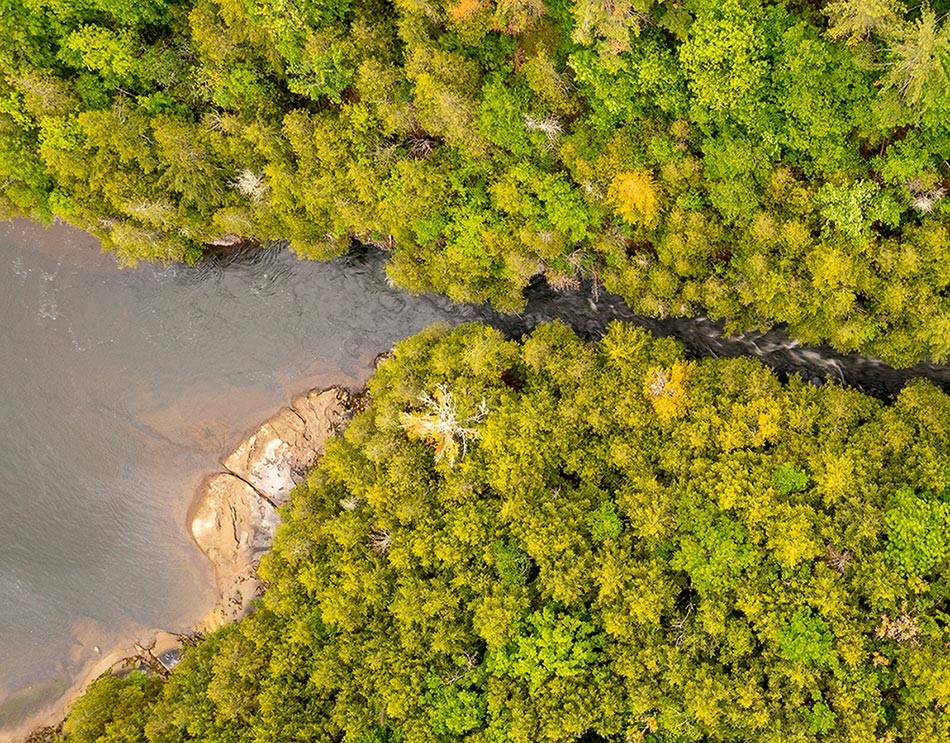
<point>702,337</point>
<point>120,388</point>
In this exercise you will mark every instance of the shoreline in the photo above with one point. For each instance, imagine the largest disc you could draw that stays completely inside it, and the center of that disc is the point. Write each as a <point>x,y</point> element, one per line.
<point>232,517</point>
<point>143,649</point>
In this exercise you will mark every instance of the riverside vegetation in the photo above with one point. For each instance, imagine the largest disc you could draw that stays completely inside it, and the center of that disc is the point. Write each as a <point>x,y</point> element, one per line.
<point>764,162</point>
<point>556,540</point>
<point>549,539</point>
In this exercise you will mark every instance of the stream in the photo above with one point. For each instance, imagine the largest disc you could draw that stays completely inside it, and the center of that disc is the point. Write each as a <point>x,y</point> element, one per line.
<point>122,388</point>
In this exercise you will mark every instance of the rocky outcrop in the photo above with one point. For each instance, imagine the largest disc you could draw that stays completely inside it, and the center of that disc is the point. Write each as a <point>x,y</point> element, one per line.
<point>234,518</point>
<point>233,525</point>
<point>274,458</point>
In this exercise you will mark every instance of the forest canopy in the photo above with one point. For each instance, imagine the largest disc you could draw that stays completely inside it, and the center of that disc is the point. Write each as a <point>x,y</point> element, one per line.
<point>764,162</point>
<point>622,545</point>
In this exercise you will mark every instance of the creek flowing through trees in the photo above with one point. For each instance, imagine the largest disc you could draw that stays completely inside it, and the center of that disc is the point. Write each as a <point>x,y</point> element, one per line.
<point>122,389</point>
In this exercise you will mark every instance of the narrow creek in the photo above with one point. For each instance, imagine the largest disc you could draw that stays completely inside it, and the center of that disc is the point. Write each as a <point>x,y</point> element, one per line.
<point>121,388</point>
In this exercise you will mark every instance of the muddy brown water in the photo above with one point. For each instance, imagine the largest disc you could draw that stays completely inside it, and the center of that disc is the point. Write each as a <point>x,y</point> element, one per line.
<point>121,388</point>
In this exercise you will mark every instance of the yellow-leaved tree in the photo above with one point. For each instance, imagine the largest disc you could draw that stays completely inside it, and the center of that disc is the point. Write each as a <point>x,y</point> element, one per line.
<point>635,197</point>
<point>666,389</point>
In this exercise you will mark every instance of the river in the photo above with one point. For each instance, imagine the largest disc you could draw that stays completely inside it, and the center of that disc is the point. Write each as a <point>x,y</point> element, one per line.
<point>121,388</point>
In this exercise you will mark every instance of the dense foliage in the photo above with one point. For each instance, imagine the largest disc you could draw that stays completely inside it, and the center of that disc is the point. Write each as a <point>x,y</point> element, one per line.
<point>621,545</point>
<point>762,161</point>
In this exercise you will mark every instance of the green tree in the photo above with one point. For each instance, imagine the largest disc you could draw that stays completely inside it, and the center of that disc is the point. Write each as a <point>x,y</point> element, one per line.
<point>113,710</point>
<point>918,68</point>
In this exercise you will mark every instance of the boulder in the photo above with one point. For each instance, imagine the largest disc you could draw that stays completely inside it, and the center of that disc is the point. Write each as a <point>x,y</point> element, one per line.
<point>235,514</point>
